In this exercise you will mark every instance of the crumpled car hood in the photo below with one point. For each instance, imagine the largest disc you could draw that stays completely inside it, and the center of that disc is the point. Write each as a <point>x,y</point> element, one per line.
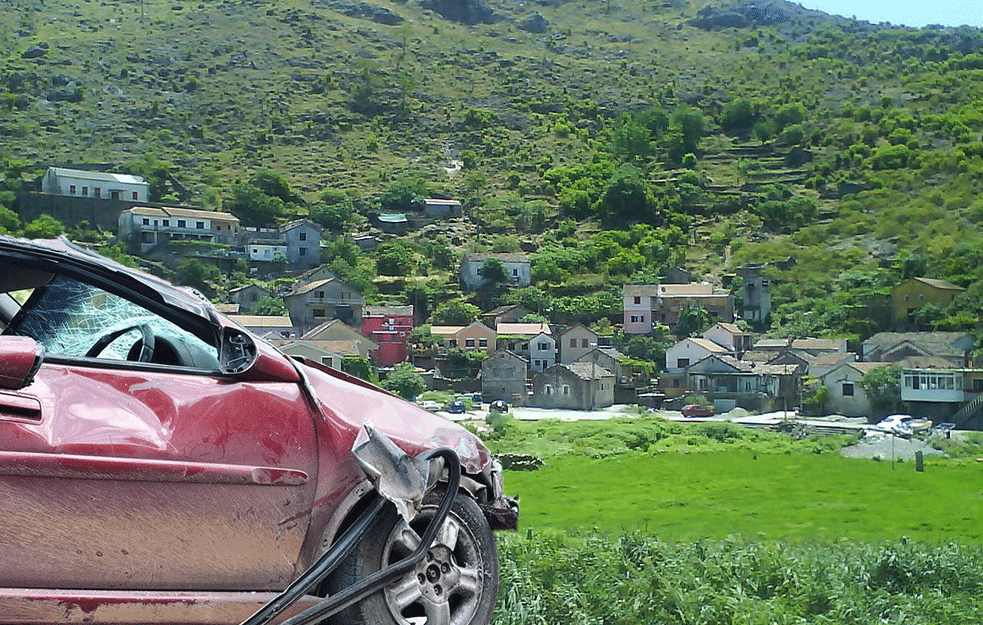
<point>348,403</point>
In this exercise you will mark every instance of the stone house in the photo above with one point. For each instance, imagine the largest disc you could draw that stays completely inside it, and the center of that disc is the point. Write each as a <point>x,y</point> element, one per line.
<point>954,347</point>
<point>576,386</point>
<point>576,342</point>
<point>475,336</point>
<point>509,313</point>
<point>503,376</point>
<point>436,208</point>
<point>247,296</point>
<point>313,303</point>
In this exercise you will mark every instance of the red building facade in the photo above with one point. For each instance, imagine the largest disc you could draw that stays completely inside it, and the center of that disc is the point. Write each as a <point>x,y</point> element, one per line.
<point>389,327</point>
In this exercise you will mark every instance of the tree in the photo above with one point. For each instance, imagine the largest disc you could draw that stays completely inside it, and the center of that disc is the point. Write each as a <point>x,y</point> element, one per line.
<point>196,274</point>
<point>275,185</point>
<point>9,220</point>
<point>335,210</point>
<point>493,271</point>
<point>404,195</point>
<point>272,306</point>
<point>693,319</point>
<point>627,198</point>
<point>253,207</point>
<point>394,258</point>
<point>404,381</point>
<point>44,227</point>
<point>883,387</point>
<point>455,312</point>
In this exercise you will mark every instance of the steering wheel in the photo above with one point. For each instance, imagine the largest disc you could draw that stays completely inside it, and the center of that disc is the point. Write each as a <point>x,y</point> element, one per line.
<point>146,349</point>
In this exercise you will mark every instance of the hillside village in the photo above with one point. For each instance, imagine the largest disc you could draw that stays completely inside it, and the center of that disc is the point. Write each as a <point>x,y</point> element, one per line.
<point>713,353</point>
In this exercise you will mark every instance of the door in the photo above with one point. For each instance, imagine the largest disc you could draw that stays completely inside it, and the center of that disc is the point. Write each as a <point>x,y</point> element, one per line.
<point>116,474</point>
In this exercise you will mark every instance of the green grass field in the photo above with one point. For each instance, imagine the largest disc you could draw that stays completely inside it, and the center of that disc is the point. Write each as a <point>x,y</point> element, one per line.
<point>745,492</point>
<point>645,521</point>
<point>768,496</point>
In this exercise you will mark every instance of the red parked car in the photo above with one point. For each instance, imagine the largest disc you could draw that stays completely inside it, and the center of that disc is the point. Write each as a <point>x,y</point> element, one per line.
<point>160,464</point>
<point>697,410</point>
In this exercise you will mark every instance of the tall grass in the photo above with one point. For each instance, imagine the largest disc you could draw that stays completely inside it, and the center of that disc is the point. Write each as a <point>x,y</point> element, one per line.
<point>635,579</point>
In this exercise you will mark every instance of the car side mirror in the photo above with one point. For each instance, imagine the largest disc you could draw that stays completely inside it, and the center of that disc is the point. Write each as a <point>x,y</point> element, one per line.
<point>20,359</point>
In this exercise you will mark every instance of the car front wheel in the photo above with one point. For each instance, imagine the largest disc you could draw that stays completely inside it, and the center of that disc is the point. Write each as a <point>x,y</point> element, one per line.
<point>456,583</point>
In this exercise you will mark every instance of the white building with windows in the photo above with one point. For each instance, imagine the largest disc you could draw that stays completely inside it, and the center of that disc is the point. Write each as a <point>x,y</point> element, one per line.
<point>144,227</point>
<point>95,184</point>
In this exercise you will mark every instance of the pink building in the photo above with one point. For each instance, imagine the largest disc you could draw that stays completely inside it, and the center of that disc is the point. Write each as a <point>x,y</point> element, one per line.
<point>389,327</point>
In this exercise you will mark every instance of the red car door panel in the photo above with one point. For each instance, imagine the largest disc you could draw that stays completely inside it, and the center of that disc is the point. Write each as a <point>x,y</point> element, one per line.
<point>130,478</point>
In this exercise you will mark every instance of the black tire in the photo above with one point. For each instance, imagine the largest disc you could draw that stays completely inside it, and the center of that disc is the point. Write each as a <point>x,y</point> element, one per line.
<point>455,584</point>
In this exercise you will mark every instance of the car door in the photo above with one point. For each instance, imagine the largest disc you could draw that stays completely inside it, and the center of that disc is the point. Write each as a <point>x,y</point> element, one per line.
<point>117,474</point>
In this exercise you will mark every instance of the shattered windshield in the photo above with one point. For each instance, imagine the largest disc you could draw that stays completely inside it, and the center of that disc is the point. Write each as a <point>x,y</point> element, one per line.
<point>69,317</point>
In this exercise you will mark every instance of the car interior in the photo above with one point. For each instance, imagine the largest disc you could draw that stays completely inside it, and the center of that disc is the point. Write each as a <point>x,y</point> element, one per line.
<point>73,319</point>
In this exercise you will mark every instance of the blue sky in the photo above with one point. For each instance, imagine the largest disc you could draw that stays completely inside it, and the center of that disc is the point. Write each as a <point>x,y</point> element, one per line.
<point>904,12</point>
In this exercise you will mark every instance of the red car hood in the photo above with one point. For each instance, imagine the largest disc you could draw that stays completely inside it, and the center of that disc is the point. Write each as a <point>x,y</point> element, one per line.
<point>348,403</point>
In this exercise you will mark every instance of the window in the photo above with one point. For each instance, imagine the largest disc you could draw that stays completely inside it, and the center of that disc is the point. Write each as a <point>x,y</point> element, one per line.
<point>469,342</point>
<point>634,318</point>
<point>318,294</point>
<point>97,192</point>
<point>847,389</point>
<point>85,190</point>
<point>302,251</point>
<point>69,318</point>
<point>303,236</point>
<point>682,363</point>
<point>318,312</point>
<point>641,318</point>
<point>584,343</point>
<point>200,225</point>
<point>573,342</point>
<point>515,273</point>
<point>146,221</point>
<point>548,389</point>
<point>135,195</point>
<point>71,189</point>
<point>638,299</point>
<point>182,223</point>
<point>566,389</point>
<point>481,342</point>
<point>543,346</point>
<point>167,222</point>
<point>452,343</point>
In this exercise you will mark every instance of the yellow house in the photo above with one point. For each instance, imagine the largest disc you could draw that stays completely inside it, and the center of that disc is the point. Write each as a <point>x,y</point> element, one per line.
<point>476,336</point>
<point>911,295</point>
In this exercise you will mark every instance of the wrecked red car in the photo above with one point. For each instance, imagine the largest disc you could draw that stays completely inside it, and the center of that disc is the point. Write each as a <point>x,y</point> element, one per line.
<point>160,464</point>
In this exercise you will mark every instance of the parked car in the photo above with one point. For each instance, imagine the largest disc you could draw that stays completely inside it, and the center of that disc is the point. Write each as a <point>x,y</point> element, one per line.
<point>499,405</point>
<point>160,464</point>
<point>457,406</point>
<point>697,410</point>
<point>903,425</point>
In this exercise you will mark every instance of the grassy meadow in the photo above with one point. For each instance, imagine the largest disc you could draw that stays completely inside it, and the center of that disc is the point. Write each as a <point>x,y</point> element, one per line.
<point>717,494</point>
<point>646,521</point>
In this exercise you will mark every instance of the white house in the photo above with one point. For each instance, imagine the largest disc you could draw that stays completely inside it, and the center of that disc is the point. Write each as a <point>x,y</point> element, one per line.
<point>143,227</point>
<point>95,184</point>
<point>542,352</point>
<point>692,350</point>
<point>845,395</point>
<point>518,271</point>
<point>730,336</point>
